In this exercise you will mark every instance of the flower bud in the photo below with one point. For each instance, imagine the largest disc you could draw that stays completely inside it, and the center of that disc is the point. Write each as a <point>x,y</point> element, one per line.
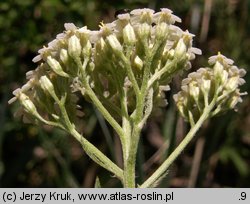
<point>194,91</point>
<point>114,44</point>
<point>205,85</point>
<point>27,103</point>
<point>46,85</point>
<point>64,57</point>
<point>232,83</point>
<point>181,109</point>
<point>86,51</point>
<point>218,70</point>
<point>180,48</point>
<point>144,30</point>
<point>170,54</point>
<point>224,77</point>
<point>161,31</point>
<point>56,67</point>
<point>181,102</point>
<point>233,101</point>
<point>129,35</point>
<point>74,48</point>
<point>138,62</point>
<point>101,47</point>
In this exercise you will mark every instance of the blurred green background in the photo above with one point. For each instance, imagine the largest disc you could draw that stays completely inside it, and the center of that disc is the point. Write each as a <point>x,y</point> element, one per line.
<point>32,156</point>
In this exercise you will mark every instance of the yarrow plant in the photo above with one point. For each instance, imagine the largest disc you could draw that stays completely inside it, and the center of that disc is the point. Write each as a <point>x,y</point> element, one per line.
<point>124,69</point>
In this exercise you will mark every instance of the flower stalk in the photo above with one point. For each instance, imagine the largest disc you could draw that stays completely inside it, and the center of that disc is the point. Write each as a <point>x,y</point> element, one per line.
<point>159,174</point>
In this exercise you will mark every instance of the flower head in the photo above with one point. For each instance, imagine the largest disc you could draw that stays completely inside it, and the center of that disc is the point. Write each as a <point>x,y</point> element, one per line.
<point>221,82</point>
<point>137,40</point>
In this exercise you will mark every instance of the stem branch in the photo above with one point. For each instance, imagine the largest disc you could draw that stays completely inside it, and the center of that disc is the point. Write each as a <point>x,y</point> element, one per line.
<point>161,171</point>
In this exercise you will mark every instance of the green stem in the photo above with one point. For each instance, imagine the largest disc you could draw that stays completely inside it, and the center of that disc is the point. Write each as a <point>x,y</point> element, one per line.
<point>124,112</point>
<point>97,156</point>
<point>131,75</point>
<point>94,153</point>
<point>159,73</point>
<point>138,121</point>
<point>97,102</point>
<point>161,171</point>
<point>129,163</point>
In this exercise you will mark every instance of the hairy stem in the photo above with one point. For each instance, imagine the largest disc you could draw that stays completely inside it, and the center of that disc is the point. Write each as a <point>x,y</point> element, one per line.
<point>156,177</point>
<point>94,153</point>
<point>97,102</point>
<point>129,164</point>
<point>97,156</point>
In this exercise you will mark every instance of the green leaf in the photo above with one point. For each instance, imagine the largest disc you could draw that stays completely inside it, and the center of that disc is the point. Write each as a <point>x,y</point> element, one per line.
<point>97,183</point>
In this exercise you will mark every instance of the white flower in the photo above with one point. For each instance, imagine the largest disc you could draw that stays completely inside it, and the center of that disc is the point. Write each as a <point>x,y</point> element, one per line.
<point>129,35</point>
<point>114,43</point>
<point>164,88</point>
<point>195,50</point>
<point>180,49</point>
<point>64,56</point>
<point>232,83</point>
<point>60,36</point>
<point>94,36</point>
<point>212,60</point>
<point>224,77</point>
<point>218,70</point>
<point>138,62</point>
<point>138,12</point>
<point>139,16</point>
<point>161,31</point>
<point>53,44</point>
<point>37,58</point>
<point>46,85</point>
<point>74,46</point>
<point>56,67</point>
<point>86,50</point>
<point>124,16</point>
<point>70,26</point>
<point>27,104</point>
<point>194,90</point>
<point>144,30</point>
<point>165,15</point>
<point>205,85</point>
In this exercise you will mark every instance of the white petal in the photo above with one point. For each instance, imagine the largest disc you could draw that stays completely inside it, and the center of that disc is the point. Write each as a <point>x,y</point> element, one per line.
<point>16,92</point>
<point>166,10</point>
<point>241,81</point>
<point>60,36</point>
<point>175,18</point>
<point>185,81</point>
<point>70,26</point>
<point>140,11</point>
<point>37,58</point>
<point>242,72</point>
<point>12,100</point>
<point>124,16</point>
<point>164,88</point>
<point>53,44</point>
<point>196,51</point>
<point>42,50</point>
<point>228,61</point>
<point>212,60</point>
<point>84,30</point>
<point>29,74</point>
<point>94,36</point>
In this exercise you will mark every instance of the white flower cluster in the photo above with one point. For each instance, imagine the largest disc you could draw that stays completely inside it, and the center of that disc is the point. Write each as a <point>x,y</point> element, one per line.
<point>201,87</point>
<point>133,41</point>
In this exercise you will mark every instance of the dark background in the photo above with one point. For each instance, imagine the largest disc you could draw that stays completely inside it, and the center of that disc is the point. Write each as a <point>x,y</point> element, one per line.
<point>32,156</point>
